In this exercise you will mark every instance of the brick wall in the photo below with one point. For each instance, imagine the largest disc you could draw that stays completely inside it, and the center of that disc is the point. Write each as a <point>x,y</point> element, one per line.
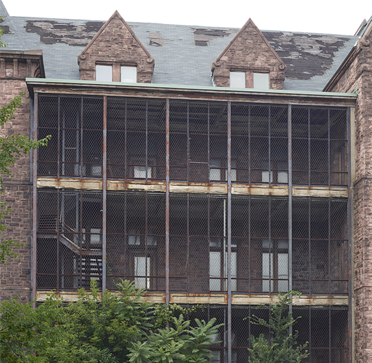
<point>358,74</point>
<point>15,276</point>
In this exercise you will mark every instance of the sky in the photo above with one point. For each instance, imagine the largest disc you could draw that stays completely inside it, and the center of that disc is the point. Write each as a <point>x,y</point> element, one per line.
<point>315,16</point>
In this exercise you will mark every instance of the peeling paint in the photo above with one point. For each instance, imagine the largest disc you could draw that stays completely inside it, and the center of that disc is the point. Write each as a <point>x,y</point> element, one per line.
<point>156,40</point>
<point>52,32</point>
<point>203,36</point>
<point>299,50</point>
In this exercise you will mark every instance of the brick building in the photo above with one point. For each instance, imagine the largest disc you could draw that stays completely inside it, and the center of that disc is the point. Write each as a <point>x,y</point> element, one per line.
<point>210,166</point>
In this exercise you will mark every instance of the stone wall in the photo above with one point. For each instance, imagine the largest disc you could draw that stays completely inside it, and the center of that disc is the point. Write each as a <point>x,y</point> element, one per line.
<point>15,276</point>
<point>116,44</point>
<point>249,52</point>
<point>357,75</point>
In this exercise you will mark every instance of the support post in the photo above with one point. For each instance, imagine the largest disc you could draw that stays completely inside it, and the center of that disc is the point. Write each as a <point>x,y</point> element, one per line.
<point>229,307</point>
<point>34,204</point>
<point>350,140</point>
<point>104,194</point>
<point>167,202</point>
<point>290,205</point>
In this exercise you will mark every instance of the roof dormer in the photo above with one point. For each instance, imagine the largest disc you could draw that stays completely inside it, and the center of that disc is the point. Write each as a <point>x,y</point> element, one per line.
<point>115,54</point>
<point>249,61</point>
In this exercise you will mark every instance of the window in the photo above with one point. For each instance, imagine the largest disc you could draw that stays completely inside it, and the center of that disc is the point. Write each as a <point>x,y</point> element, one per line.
<point>134,238</point>
<point>237,79</point>
<point>128,74</point>
<point>95,238</point>
<point>216,172</point>
<point>218,264</point>
<point>261,81</point>
<point>103,73</point>
<point>140,172</point>
<point>277,174</point>
<point>275,265</point>
<point>142,271</point>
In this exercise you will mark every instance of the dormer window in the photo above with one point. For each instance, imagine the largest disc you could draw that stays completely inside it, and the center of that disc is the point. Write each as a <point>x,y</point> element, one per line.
<point>128,74</point>
<point>237,79</point>
<point>103,73</point>
<point>261,81</point>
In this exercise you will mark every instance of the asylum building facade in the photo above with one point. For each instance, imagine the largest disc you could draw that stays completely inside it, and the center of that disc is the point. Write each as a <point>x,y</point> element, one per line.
<point>209,166</point>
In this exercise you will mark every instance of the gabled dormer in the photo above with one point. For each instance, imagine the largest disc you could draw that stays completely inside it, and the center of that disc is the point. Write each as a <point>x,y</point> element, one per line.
<point>116,54</point>
<point>249,61</point>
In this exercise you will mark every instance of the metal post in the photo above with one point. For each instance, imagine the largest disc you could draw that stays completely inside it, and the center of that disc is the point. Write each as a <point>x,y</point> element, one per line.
<point>349,236</point>
<point>57,232</point>
<point>34,204</point>
<point>167,203</point>
<point>329,147</point>
<point>59,138</point>
<point>104,195</point>
<point>229,307</point>
<point>290,206</point>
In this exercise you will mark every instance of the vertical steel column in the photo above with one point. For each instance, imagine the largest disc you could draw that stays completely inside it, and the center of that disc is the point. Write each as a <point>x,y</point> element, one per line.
<point>59,137</point>
<point>146,141</point>
<point>167,203</point>
<point>80,228</point>
<point>188,141</point>
<point>104,195</point>
<point>329,335</point>
<point>349,236</point>
<point>229,307</point>
<point>125,143</point>
<point>310,332</point>
<point>309,145</point>
<point>309,236</point>
<point>329,147</point>
<point>271,173</point>
<point>188,241</point>
<point>125,235</point>
<point>329,246</point>
<point>146,195</point>
<point>249,145</point>
<point>81,136</point>
<point>249,246</point>
<point>57,232</point>
<point>34,204</point>
<point>290,205</point>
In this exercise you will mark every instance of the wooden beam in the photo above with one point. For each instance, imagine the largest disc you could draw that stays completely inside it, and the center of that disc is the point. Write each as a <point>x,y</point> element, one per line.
<point>220,299</point>
<point>193,188</point>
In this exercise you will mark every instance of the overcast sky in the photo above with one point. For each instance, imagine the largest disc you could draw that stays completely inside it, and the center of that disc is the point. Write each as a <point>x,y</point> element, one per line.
<point>315,16</point>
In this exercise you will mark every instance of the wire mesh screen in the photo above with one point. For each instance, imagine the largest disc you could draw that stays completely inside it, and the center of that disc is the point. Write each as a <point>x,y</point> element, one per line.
<point>136,239</point>
<point>319,153</point>
<point>320,246</point>
<point>69,246</point>
<point>198,141</point>
<point>324,329</point>
<point>135,138</point>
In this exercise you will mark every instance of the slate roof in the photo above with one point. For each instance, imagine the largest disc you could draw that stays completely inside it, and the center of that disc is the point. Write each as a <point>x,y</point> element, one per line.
<point>183,54</point>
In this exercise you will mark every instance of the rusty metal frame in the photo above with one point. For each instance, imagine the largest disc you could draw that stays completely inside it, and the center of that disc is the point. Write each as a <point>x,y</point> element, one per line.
<point>104,195</point>
<point>229,206</point>
<point>229,306</point>
<point>290,192</point>
<point>34,205</point>
<point>167,202</point>
<point>349,232</point>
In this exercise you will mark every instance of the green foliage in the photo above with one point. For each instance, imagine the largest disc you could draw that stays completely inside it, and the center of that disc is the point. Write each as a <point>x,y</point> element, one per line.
<point>11,147</point>
<point>119,327</point>
<point>25,330</point>
<point>164,314</point>
<point>283,347</point>
<point>180,343</point>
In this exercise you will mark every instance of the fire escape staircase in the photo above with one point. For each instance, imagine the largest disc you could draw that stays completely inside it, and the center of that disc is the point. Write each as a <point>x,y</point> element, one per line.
<point>48,223</point>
